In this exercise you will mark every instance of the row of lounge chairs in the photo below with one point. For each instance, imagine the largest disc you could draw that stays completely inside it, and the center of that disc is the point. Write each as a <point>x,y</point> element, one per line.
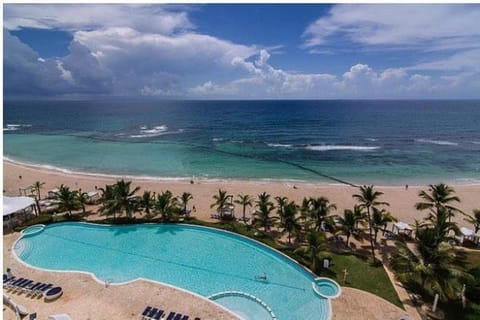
<point>24,285</point>
<point>151,313</point>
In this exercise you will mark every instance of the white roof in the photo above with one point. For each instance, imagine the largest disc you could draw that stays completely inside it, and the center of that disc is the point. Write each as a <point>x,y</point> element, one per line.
<point>402,226</point>
<point>14,204</point>
<point>92,193</point>
<point>467,232</point>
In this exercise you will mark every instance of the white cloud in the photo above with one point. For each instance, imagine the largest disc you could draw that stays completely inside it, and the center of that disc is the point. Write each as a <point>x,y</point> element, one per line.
<point>73,17</point>
<point>425,27</point>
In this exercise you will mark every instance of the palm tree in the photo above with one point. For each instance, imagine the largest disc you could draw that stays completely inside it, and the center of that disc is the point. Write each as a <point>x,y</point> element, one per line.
<point>315,249</point>
<point>82,198</point>
<point>435,268</point>
<point>245,201</point>
<point>147,202</point>
<point>108,201</point>
<point>184,198</point>
<point>36,187</point>
<point>290,220</point>
<point>319,210</point>
<point>368,198</point>
<point>380,219</point>
<point>166,205</point>
<point>220,200</point>
<point>474,219</point>
<point>67,200</point>
<point>348,224</point>
<point>281,202</point>
<point>125,198</point>
<point>441,195</point>
<point>264,209</point>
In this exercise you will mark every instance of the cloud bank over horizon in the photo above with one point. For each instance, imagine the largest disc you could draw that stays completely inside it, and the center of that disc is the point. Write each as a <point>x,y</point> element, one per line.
<point>161,51</point>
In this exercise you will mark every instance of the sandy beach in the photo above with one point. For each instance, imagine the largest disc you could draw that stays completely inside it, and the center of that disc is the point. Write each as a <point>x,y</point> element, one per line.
<point>401,200</point>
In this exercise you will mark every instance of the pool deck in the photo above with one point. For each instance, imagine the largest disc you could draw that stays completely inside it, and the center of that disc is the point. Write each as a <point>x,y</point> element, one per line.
<point>86,299</point>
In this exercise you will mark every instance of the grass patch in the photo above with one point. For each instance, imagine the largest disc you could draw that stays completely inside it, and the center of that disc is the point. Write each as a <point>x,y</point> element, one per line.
<point>363,275</point>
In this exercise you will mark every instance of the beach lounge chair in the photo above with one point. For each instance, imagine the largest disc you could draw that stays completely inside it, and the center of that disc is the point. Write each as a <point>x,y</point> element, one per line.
<point>159,315</point>
<point>152,313</point>
<point>19,287</point>
<point>171,316</point>
<point>29,287</point>
<point>33,289</point>
<point>178,316</point>
<point>15,282</point>
<point>185,317</point>
<point>43,289</point>
<point>146,311</point>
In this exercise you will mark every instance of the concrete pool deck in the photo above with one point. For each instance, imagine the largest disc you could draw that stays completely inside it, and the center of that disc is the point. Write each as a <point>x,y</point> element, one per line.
<point>86,299</point>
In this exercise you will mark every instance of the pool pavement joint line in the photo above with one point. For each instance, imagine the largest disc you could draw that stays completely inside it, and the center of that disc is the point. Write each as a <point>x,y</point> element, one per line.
<point>305,269</point>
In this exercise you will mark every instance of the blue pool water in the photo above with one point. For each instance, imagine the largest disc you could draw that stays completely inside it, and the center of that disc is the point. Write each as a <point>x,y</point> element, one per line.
<point>202,260</point>
<point>327,288</point>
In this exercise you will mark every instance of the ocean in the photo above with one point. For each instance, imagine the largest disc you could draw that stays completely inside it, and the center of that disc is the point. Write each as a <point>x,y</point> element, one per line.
<point>327,141</point>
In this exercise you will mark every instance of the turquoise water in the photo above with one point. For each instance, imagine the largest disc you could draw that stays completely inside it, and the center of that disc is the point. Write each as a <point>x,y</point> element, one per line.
<point>358,141</point>
<point>201,260</point>
<point>327,287</point>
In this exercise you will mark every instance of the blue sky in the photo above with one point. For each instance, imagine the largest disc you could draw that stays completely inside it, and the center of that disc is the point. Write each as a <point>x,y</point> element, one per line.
<point>242,51</point>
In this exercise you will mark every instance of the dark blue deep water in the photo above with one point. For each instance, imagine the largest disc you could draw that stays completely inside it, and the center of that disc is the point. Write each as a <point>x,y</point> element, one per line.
<point>386,142</point>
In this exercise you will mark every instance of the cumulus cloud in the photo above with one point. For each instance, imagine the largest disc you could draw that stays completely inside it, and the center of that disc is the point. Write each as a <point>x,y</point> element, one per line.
<point>155,50</point>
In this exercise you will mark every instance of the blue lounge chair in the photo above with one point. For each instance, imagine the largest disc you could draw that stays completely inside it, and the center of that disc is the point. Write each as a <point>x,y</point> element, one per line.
<point>43,289</point>
<point>21,284</point>
<point>171,315</point>
<point>159,315</point>
<point>152,313</point>
<point>178,316</point>
<point>29,287</point>
<point>185,317</point>
<point>146,311</point>
<point>14,283</point>
<point>32,290</point>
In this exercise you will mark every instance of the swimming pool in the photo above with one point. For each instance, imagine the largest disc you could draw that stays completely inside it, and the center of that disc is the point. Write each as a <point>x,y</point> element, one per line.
<point>203,260</point>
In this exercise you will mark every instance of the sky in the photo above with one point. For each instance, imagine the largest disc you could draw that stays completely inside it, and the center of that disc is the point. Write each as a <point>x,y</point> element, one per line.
<point>242,51</point>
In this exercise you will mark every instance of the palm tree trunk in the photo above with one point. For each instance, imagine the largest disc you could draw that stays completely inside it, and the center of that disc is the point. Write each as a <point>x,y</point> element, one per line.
<point>348,238</point>
<point>244,207</point>
<point>371,234</point>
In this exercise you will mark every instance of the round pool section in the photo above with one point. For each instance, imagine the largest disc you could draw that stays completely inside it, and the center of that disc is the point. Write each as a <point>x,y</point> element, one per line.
<point>244,305</point>
<point>326,287</point>
<point>33,229</point>
<point>202,260</point>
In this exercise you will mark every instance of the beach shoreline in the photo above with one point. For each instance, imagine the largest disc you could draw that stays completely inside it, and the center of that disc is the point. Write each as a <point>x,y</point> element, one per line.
<point>200,179</point>
<point>401,199</point>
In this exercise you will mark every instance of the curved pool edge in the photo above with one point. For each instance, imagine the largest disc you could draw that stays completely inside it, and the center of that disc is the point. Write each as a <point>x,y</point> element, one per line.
<point>291,260</point>
<point>329,280</point>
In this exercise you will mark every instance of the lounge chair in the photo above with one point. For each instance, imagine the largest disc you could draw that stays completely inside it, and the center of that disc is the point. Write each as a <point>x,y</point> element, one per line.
<point>19,286</point>
<point>178,316</point>
<point>152,313</point>
<point>32,290</point>
<point>15,282</point>
<point>43,289</point>
<point>171,315</point>
<point>185,317</point>
<point>29,287</point>
<point>159,315</point>
<point>146,311</point>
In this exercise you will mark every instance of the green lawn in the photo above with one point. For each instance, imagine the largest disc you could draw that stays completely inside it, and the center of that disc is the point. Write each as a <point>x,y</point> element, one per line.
<point>362,275</point>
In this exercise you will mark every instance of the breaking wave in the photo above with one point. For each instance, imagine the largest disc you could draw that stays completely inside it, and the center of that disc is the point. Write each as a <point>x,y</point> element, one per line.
<point>438,142</point>
<point>341,147</point>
